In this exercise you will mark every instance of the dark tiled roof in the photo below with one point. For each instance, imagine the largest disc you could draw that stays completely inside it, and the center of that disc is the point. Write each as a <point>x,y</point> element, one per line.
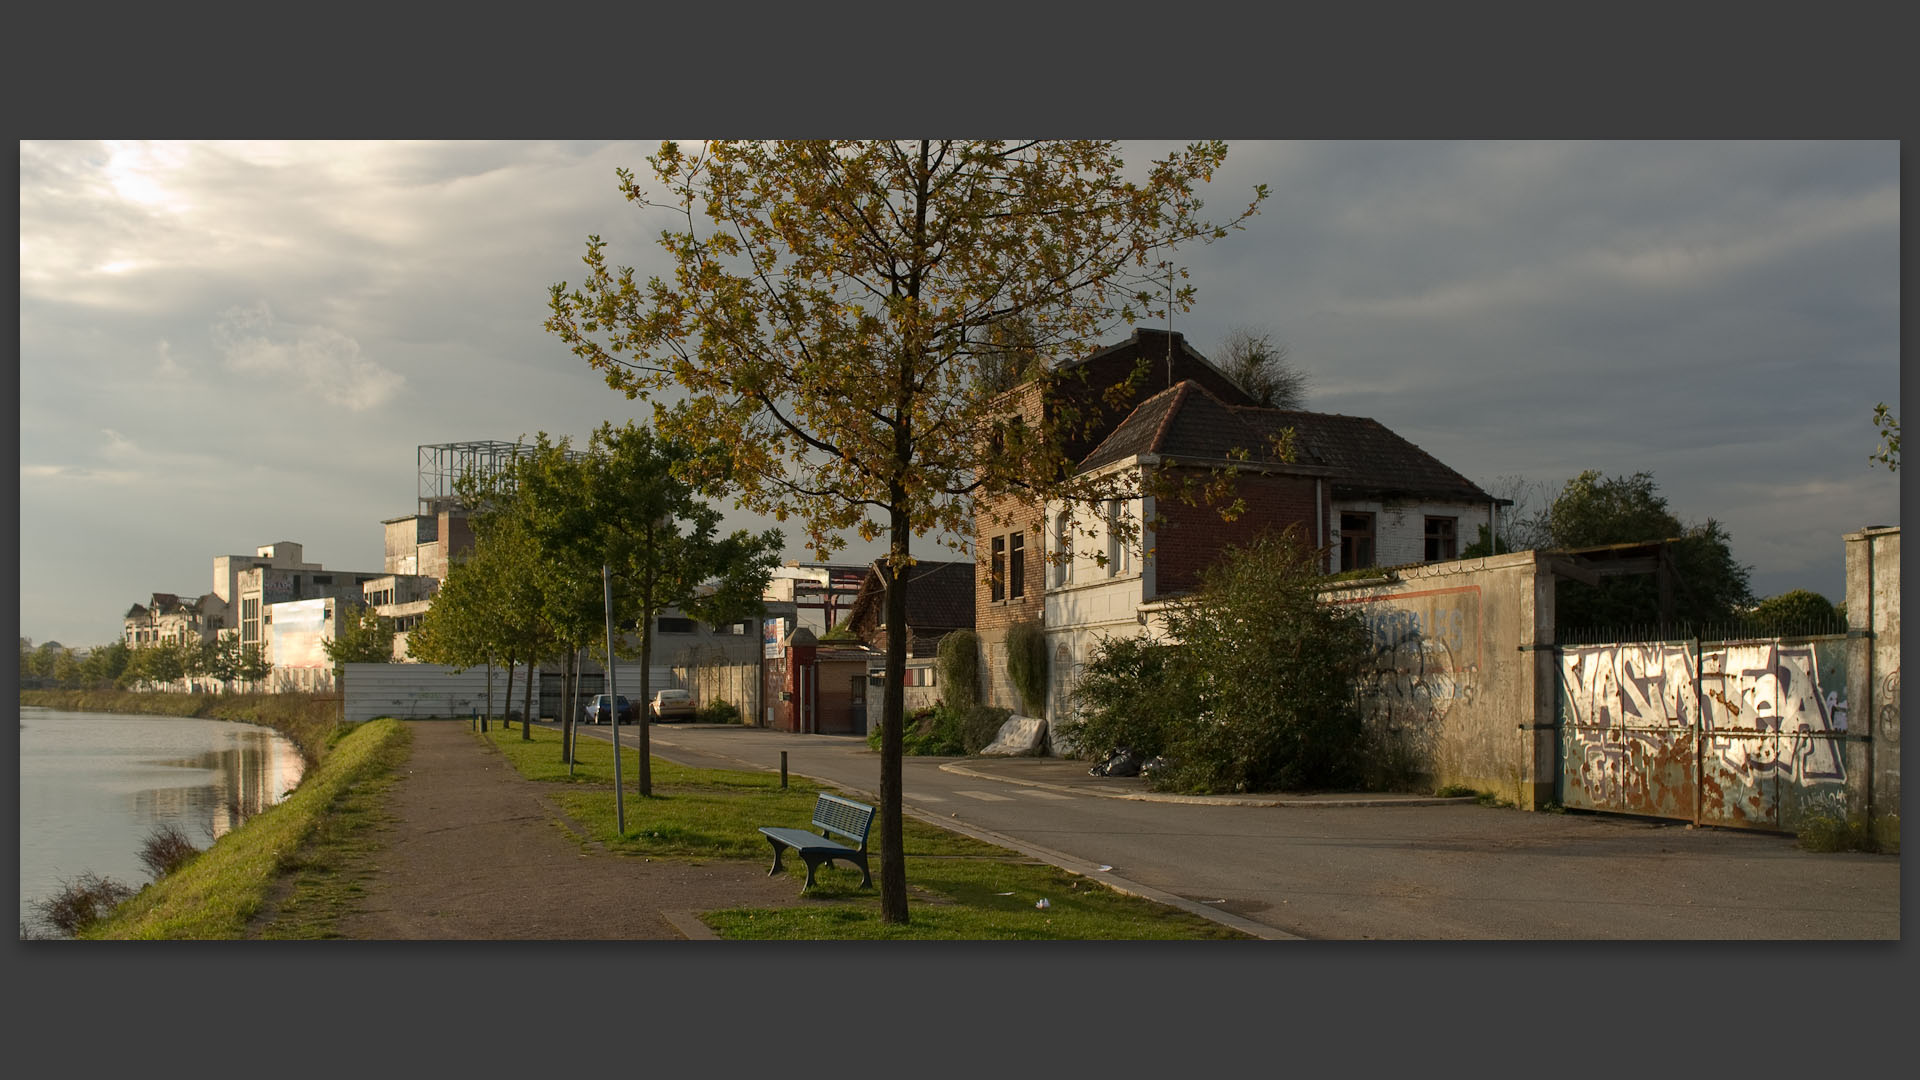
<point>1188,422</point>
<point>939,595</point>
<point>1368,458</point>
<point>1363,455</point>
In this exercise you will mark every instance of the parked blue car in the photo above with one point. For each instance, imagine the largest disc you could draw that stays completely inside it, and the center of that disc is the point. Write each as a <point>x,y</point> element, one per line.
<point>602,708</point>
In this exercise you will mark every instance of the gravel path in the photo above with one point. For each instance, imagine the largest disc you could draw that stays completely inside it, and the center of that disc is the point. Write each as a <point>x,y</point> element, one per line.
<point>477,852</point>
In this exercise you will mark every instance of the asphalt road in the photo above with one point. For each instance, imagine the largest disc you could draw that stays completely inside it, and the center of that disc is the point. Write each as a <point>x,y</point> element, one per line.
<point>1453,871</point>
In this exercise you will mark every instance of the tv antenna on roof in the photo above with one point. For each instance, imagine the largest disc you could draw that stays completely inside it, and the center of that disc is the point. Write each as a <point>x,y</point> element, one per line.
<point>1169,324</point>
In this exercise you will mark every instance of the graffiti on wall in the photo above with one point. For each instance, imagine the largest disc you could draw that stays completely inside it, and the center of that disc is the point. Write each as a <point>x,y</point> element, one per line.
<point>1767,691</point>
<point>1890,706</point>
<point>1426,654</point>
<point>1770,714</point>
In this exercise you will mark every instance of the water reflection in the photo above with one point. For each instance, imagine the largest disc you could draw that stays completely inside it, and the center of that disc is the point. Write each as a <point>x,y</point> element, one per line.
<point>94,785</point>
<point>247,779</point>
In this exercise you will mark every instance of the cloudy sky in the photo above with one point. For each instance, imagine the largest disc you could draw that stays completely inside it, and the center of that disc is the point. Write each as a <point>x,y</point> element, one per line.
<point>226,345</point>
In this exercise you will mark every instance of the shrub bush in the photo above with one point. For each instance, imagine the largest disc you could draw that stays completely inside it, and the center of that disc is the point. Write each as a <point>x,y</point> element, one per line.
<point>718,712</point>
<point>936,731</point>
<point>82,902</point>
<point>1130,695</point>
<point>959,666</point>
<point>165,850</point>
<point>1027,664</point>
<point>1258,695</point>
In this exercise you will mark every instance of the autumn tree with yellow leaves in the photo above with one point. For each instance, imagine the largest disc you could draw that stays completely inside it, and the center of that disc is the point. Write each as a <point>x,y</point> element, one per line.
<point>834,309</point>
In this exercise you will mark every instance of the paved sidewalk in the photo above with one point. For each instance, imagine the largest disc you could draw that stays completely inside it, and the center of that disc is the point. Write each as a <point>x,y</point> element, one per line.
<point>478,852</point>
<point>1071,776</point>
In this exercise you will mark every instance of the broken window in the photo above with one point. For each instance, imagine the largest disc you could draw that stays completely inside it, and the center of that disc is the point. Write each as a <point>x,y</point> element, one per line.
<point>1356,540</point>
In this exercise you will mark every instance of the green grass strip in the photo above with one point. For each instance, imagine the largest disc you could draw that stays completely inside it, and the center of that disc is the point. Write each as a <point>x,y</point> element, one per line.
<point>216,894</point>
<point>960,888</point>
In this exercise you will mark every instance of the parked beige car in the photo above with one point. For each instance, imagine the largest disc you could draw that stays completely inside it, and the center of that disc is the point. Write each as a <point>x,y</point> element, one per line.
<point>673,705</point>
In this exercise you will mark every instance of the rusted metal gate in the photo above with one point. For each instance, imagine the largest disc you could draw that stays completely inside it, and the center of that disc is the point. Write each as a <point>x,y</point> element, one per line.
<point>1749,734</point>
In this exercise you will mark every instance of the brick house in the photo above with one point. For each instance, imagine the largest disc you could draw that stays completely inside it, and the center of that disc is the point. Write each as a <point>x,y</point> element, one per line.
<point>1010,539</point>
<point>1362,494</point>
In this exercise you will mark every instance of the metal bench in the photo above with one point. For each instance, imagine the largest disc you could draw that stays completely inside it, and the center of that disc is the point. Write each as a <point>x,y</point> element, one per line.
<point>832,814</point>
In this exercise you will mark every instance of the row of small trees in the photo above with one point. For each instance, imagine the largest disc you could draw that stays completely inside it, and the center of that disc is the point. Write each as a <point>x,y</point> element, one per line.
<point>120,666</point>
<point>560,532</point>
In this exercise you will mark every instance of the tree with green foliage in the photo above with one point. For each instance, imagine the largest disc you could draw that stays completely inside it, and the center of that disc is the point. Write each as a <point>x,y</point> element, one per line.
<point>103,665</point>
<point>221,659</point>
<point>492,605</point>
<point>166,663</point>
<point>1593,510</point>
<point>66,668</point>
<point>365,637</point>
<point>1798,611</point>
<point>1254,688</point>
<point>1888,452</point>
<point>254,665</point>
<point>633,504</point>
<point>40,662</point>
<point>827,313</point>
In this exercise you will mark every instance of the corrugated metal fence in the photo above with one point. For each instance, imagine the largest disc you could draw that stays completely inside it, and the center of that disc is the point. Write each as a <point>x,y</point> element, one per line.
<point>422,691</point>
<point>1750,734</point>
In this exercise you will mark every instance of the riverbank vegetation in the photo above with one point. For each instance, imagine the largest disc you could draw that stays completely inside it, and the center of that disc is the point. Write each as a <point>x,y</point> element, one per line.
<point>218,893</point>
<point>311,721</point>
<point>965,889</point>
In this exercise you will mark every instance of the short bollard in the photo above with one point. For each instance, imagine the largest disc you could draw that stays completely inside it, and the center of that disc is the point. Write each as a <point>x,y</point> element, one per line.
<point>783,770</point>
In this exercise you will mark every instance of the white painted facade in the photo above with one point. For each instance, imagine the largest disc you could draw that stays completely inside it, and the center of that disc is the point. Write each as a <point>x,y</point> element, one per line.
<point>1400,527</point>
<point>1096,584</point>
<point>1087,602</point>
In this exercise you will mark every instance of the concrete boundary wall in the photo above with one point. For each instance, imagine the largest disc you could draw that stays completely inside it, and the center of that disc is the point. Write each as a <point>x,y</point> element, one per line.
<point>1462,689</point>
<point>1873,673</point>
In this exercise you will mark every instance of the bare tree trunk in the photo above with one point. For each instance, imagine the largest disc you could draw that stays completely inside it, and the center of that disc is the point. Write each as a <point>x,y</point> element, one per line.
<point>566,718</point>
<point>526,700</point>
<point>506,699</point>
<point>893,867</point>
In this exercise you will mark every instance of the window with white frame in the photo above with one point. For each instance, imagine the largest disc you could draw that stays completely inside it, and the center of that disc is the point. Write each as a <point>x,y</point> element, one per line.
<point>1063,559</point>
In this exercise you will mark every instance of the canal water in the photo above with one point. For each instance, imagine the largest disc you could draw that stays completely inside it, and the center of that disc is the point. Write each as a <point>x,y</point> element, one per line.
<point>93,785</point>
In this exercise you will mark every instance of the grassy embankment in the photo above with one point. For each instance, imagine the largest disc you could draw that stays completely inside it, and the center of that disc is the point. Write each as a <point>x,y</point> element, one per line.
<point>960,888</point>
<point>310,720</point>
<point>298,845</point>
